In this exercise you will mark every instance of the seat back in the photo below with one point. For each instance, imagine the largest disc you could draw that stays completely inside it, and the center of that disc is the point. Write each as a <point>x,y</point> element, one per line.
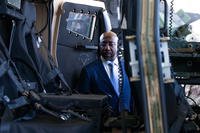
<point>78,37</point>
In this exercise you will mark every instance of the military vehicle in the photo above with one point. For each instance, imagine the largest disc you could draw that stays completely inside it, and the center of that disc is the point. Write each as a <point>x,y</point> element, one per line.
<point>44,44</point>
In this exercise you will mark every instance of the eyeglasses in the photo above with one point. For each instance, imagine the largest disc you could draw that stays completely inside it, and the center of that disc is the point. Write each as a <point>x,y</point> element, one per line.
<point>110,44</point>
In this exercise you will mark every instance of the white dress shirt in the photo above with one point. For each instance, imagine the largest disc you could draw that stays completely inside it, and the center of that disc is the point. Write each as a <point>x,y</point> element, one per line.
<point>116,70</point>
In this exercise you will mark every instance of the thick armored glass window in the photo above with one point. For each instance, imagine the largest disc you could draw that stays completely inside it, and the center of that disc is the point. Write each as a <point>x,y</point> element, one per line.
<point>82,24</point>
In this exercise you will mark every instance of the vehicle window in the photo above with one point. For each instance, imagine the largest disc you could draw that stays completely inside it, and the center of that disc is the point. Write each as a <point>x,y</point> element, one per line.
<point>82,24</point>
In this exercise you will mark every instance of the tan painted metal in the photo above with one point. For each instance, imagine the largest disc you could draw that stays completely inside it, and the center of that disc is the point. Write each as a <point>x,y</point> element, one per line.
<point>150,67</point>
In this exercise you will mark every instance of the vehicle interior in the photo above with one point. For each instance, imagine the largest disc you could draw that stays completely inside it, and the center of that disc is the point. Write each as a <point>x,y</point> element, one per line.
<point>44,44</point>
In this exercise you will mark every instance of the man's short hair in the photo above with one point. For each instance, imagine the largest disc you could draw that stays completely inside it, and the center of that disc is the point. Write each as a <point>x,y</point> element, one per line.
<point>108,34</point>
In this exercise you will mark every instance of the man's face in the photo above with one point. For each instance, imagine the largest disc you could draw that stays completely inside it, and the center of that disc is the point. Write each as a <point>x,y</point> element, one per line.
<point>108,48</point>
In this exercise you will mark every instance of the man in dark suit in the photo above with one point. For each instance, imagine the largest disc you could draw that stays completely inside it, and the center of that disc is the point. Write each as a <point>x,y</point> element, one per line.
<point>103,75</point>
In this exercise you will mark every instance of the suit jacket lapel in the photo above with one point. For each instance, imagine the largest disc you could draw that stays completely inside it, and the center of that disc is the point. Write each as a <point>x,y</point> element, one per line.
<point>103,74</point>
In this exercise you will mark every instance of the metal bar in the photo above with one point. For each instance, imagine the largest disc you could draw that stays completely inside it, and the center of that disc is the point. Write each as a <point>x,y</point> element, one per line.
<point>141,65</point>
<point>159,62</point>
<point>149,67</point>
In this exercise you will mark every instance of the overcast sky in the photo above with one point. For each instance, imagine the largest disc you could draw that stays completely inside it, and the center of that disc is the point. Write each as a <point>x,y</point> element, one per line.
<point>187,5</point>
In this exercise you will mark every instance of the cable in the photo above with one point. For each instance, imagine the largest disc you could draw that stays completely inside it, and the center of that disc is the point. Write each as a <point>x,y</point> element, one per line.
<point>188,95</point>
<point>121,78</point>
<point>192,100</point>
<point>171,18</point>
<point>120,71</point>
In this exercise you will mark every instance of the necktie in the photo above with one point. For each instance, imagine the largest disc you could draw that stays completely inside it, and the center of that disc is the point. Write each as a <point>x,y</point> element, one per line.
<point>113,78</point>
